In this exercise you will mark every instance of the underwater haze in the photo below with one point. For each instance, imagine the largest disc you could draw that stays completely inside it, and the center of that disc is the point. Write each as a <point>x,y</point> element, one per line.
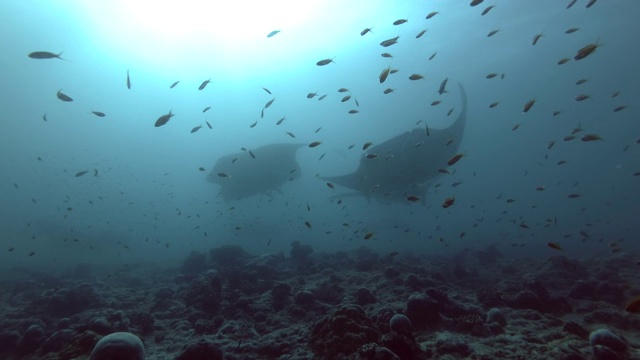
<point>540,170</point>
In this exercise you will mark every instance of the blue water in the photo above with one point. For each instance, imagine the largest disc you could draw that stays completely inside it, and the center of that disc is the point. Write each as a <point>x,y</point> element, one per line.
<point>150,202</point>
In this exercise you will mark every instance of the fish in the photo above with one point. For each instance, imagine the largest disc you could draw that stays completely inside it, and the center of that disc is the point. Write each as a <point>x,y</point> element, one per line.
<point>343,90</point>
<point>204,84</point>
<point>307,224</point>
<point>318,129</point>
<point>280,121</point>
<point>371,156</point>
<point>206,109</point>
<point>590,3</point>
<point>486,11</point>
<point>556,113</point>
<point>368,235</point>
<point>563,61</point>
<point>312,95</point>
<point>591,137</point>
<point>494,104</point>
<point>322,97</point>
<point>536,38</point>
<point>174,84</point>
<point>64,97</point>
<point>267,90</point>
<point>80,173</point>
<point>128,80</point>
<point>454,159</point>
<point>413,198</point>
<point>353,111</point>
<point>196,128</point>
<point>324,62</point>
<point>528,106</point>
<point>273,33</point>
<point>98,113</point>
<point>356,101</point>
<point>419,35</point>
<point>386,55</point>
<point>476,2</point>
<point>389,42</point>
<point>223,175</point>
<point>433,55</point>
<point>573,196</point>
<point>253,156</point>
<point>571,3</point>
<point>554,246</point>
<point>582,97</point>
<point>405,168</point>
<point>431,14</point>
<point>290,134</point>
<point>491,75</point>
<point>551,143</point>
<point>44,117</point>
<point>448,202</point>
<point>633,306</point>
<point>387,91</point>
<point>384,74</point>
<point>365,31</point>
<point>209,125</point>
<point>202,169</point>
<point>253,125</point>
<point>416,77</point>
<point>330,185</point>
<point>492,32</point>
<point>616,109</point>
<point>581,81</point>
<point>345,98</point>
<point>443,86</point>
<point>272,167</point>
<point>586,51</point>
<point>400,21</point>
<point>314,144</point>
<point>262,113</point>
<point>164,119</point>
<point>269,103</point>
<point>435,102</point>
<point>45,55</point>
<point>367,145</point>
<point>571,30</point>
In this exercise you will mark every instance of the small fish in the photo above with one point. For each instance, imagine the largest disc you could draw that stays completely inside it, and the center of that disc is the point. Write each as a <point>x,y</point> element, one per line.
<point>209,125</point>
<point>386,55</point>
<point>368,235</point>
<point>400,21</point>
<point>551,143</point>
<point>253,125</point>
<point>454,159</point>
<point>448,202</point>
<point>269,103</point>
<point>590,137</point>
<point>365,31</point>
<point>44,117</point>
<point>554,246</point>
<point>32,253</point>
<point>390,42</point>
<point>387,91</point>
<point>45,55</point>
<point>345,98</point>
<point>267,90</point>
<point>366,145</point>
<point>582,97</point>
<point>280,121</point>
<point>413,198</point>
<point>164,119</point>
<point>571,3</point>
<point>590,3</point>
<point>536,37</point>
<point>290,134</point>
<point>307,224</point>
<point>540,188</point>
<point>573,196</point>
<point>322,156</point>
<point>416,77</point>
<point>476,2</point>
<point>528,106</point>
<point>322,97</point>
<point>436,102</point>
<point>253,156</point>
<point>342,90</point>
<point>324,62</point>
<point>174,84</point>
<point>581,81</point>
<point>486,11</point>
<point>273,33</point>
<point>492,32</point>
<point>556,113</point>
<point>98,113</point>
<point>64,97</point>
<point>433,55</point>
<point>314,144</point>
<point>202,169</point>
<point>384,74</point>
<point>443,86</point>
<point>356,101</point>
<point>223,175</point>
<point>431,14</point>
<point>204,84</point>
<point>128,80</point>
<point>318,129</point>
<point>353,112</point>
<point>571,31</point>
<point>353,145</point>
<point>206,109</point>
<point>262,113</point>
<point>371,156</point>
<point>569,138</point>
<point>330,185</point>
<point>494,104</point>
<point>196,128</point>
<point>80,173</point>
<point>586,51</point>
<point>616,109</point>
<point>419,35</point>
<point>312,95</point>
<point>515,127</point>
<point>563,61</point>
<point>393,71</point>
<point>491,75</point>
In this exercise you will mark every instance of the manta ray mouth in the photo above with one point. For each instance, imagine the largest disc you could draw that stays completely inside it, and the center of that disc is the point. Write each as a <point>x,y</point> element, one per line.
<point>406,167</point>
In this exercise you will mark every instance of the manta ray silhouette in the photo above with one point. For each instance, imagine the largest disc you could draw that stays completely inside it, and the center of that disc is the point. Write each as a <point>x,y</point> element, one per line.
<point>402,167</point>
<point>261,170</point>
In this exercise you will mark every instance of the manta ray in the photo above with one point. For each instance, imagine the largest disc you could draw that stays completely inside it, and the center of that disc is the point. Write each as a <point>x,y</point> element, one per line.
<point>405,164</point>
<point>260,170</point>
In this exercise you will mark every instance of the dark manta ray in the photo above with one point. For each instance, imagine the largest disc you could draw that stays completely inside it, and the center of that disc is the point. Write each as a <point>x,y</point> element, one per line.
<point>406,163</point>
<point>260,170</point>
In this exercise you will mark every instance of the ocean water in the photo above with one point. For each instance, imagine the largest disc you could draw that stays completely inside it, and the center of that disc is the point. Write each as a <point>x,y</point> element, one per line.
<point>144,198</point>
